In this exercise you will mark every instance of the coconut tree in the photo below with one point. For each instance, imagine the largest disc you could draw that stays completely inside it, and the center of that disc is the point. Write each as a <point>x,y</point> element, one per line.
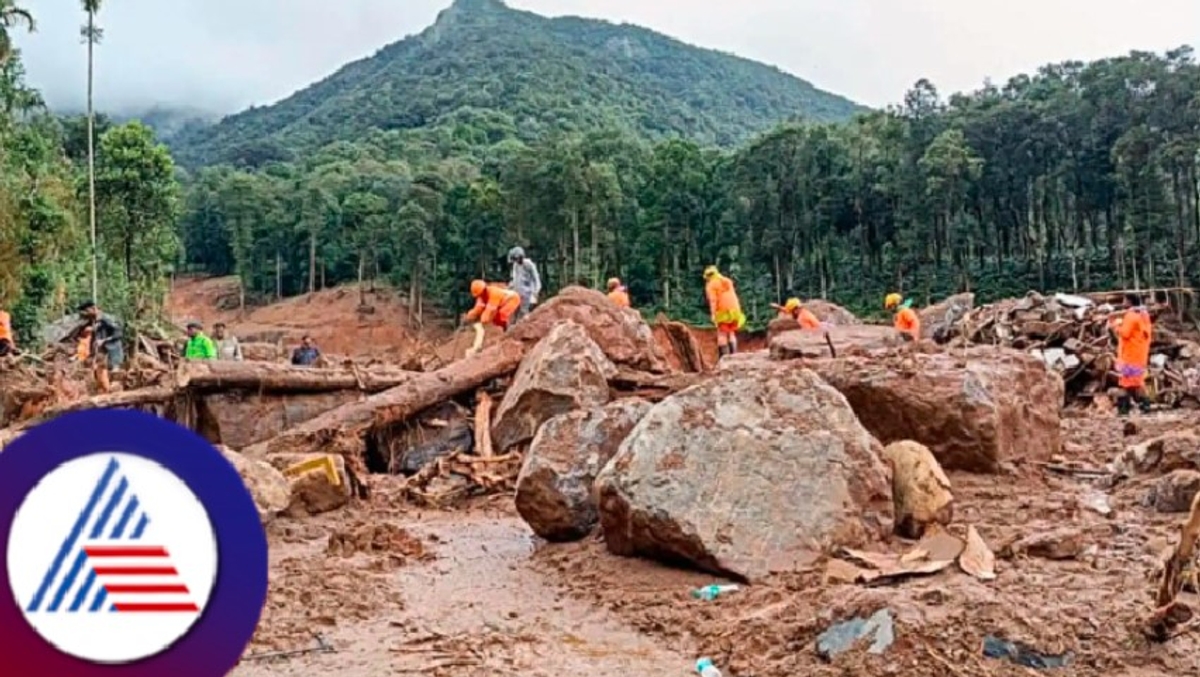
<point>12,16</point>
<point>91,33</point>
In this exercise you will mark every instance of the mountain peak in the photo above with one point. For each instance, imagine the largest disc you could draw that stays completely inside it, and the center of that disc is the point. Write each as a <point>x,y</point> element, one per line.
<point>477,5</point>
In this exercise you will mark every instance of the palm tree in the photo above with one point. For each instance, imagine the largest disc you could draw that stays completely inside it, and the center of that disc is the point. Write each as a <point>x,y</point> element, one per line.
<point>12,16</point>
<point>91,33</point>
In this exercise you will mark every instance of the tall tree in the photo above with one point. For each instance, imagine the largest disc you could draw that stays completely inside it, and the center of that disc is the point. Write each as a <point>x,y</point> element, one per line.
<point>92,34</point>
<point>12,16</point>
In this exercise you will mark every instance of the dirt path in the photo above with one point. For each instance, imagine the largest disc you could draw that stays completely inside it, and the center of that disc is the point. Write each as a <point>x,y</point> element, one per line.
<point>476,607</point>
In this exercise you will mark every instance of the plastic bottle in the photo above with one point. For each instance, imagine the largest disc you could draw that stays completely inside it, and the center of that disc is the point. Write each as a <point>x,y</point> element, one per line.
<point>705,667</point>
<point>710,592</point>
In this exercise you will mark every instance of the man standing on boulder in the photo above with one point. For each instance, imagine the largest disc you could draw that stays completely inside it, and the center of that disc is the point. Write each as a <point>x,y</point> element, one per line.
<point>525,281</point>
<point>1134,331</point>
<point>617,292</point>
<point>725,309</point>
<point>905,320</point>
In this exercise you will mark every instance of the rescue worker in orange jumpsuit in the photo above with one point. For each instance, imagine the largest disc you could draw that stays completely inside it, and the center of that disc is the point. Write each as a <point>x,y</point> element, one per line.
<point>905,321</point>
<point>494,304</point>
<point>725,309</point>
<point>795,310</point>
<point>617,292</point>
<point>8,341</point>
<point>1133,331</point>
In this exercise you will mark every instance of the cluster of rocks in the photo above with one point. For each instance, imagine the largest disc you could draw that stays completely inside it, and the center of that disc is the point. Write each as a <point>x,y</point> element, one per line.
<point>775,457</point>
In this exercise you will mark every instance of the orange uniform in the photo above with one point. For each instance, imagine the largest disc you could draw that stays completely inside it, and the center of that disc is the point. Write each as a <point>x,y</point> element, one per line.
<point>723,304</point>
<point>619,296</point>
<point>6,332</point>
<point>495,305</point>
<point>907,321</point>
<point>806,319</point>
<point>1133,347</point>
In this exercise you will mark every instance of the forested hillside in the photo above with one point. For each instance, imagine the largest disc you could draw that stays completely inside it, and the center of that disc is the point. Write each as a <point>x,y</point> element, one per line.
<point>485,73</point>
<point>1078,176</point>
<point>45,243</point>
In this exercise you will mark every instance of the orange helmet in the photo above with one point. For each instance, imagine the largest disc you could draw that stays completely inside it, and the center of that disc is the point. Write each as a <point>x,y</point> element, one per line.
<point>477,287</point>
<point>614,282</point>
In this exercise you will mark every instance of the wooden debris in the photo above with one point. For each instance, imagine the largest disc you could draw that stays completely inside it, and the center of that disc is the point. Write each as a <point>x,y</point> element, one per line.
<point>483,425</point>
<point>457,476</point>
<point>273,377</point>
<point>1179,569</point>
<point>1071,334</point>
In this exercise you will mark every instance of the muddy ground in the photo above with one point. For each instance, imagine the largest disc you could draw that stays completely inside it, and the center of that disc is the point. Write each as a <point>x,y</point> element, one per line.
<point>398,590</point>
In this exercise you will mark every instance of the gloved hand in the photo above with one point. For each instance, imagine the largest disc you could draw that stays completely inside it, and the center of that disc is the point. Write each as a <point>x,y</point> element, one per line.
<point>533,299</point>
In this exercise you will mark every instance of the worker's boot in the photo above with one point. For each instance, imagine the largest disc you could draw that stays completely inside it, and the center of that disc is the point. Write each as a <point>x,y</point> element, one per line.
<point>1144,404</point>
<point>722,351</point>
<point>1124,405</point>
<point>733,347</point>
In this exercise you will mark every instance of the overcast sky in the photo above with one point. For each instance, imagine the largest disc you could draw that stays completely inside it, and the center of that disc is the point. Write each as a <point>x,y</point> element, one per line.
<point>224,55</point>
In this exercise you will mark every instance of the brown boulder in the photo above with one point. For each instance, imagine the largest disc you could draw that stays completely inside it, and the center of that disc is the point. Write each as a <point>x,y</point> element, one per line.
<point>973,409</point>
<point>920,489</point>
<point>1174,491</point>
<point>939,320</point>
<point>267,486</point>
<point>620,332</point>
<point>848,340</point>
<point>831,313</point>
<point>752,471</point>
<point>554,489</point>
<point>1175,450</point>
<point>241,418</point>
<point>565,371</point>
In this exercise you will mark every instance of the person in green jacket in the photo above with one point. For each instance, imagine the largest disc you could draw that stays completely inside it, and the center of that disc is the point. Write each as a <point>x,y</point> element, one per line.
<point>199,346</point>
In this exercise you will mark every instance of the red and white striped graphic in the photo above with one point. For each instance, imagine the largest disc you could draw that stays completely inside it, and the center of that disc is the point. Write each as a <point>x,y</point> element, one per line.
<point>140,578</point>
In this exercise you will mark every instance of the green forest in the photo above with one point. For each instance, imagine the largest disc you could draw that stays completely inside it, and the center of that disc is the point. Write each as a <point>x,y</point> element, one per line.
<point>1081,176</point>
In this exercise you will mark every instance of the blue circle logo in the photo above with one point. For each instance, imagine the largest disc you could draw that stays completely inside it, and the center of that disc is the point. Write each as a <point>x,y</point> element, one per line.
<point>134,549</point>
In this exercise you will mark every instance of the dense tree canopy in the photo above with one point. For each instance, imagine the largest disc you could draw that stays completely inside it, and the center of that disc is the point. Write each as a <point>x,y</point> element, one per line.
<point>1078,176</point>
<point>485,73</point>
<point>44,243</point>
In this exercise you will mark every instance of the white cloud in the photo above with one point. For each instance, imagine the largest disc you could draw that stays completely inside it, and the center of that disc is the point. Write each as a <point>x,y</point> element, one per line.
<point>227,54</point>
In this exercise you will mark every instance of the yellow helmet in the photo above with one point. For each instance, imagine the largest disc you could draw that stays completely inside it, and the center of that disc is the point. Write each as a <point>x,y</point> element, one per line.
<point>710,272</point>
<point>791,304</point>
<point>892,301</point>
<point>614,282</point>
<point>477,287</point>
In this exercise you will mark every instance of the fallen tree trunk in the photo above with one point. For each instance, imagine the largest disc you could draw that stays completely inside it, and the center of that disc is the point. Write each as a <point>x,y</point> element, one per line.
<point>344,429</point>
<point>212,375</point>
<point>119,400</point>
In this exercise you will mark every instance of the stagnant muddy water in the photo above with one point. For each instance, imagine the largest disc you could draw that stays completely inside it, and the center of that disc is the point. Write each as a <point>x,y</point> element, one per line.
<point>477,607</point>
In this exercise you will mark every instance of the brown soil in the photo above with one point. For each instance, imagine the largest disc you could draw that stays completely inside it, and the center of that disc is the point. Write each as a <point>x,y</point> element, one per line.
<point>472,592</point>
<point>334,317</point>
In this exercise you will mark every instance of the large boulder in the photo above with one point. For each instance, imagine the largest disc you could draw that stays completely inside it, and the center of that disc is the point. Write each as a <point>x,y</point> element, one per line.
<point>565,371</point>
<point>620,332</point>
<point>270,489</point>
<point>755,470</point>
<point>554,488</point>
<point>974,409</point>
<point>939,320</point>
<point>846,340</point>
<point>831,313</point>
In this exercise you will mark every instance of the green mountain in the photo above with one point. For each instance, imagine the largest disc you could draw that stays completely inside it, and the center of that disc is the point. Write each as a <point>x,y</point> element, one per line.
<point>508,74</point>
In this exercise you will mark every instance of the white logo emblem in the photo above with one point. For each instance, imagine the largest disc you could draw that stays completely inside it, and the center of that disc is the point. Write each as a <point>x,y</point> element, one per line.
<point>112,558</point>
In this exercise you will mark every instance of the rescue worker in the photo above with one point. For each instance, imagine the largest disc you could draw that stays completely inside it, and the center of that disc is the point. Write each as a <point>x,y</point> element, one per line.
<point>803,316</point>
<point>525,281</point>
<point>905,320</point>
<point>199,346</point>
<point>493,304</point>
<point>725,310</point>
<point>83,349</point>
<point>617,292</point>
<point>1133,332</point>
<point>306,354</point>
<point>228,347</point>
<point>8,340</point>
<point>105,348</point>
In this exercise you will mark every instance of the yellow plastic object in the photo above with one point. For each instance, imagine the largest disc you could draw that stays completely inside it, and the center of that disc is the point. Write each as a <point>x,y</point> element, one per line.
<point>321,463</point>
